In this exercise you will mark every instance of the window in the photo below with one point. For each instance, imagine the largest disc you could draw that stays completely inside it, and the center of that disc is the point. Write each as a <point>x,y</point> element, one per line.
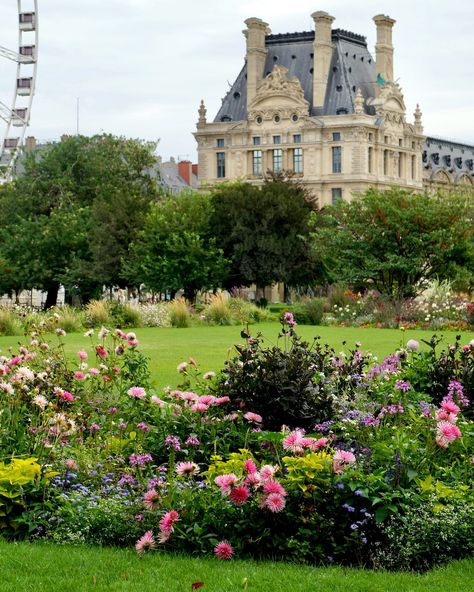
<point>385,139</point>
<point>26,17</point>
<point>413,167</point>
<point>400,142</point>
<point>371,137</point>
<point>413,145</point>
<point>277,160</point>
<point>297,138</point>
<point>298,160</point>
<point>385,162</point>
<point>336,136</point>
<point>257,140</point>
<point>277,119</point>
<point>370,160</point>
<point>257,163</point>
<point>400,164</point>
<point>277,139</point>
<point>220,165</point>
<point>336,159</point>
<point>336,195</point>
<point>220,142</point>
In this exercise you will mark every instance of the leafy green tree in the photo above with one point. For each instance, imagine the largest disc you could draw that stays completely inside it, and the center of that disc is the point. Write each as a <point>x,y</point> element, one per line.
<point>265,233</point>
<point>394,240</point>
<point>68,218</point>
<point>176,249</point>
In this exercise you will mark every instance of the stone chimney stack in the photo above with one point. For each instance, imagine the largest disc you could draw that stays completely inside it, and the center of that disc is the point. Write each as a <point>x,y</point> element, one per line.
<point>30,143</point>
<point>256,55</point>
<point>322,54</point>
<point>384,47</point>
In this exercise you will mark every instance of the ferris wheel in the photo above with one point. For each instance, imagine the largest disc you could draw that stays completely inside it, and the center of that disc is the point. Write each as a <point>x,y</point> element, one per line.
<point>16,114</point>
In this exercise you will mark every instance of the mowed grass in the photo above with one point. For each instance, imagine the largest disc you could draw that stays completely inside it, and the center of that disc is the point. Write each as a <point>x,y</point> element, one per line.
<point>46,568</point>
<point>211,346</point>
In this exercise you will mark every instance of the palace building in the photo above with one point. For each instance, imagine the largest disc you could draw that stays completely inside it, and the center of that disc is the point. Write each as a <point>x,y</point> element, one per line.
<point>319,104</point>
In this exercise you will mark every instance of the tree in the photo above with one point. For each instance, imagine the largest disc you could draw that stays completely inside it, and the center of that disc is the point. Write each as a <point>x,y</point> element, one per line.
<point>176,249</point>
<point>66,205</point>
<point>395,240</point>
<point>265,233</point>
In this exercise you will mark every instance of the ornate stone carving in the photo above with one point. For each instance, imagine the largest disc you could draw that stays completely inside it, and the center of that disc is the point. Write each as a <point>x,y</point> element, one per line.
<point>202,113</point>
<point>279,95</point>
<point>390,103</point>
<point>359,103</point>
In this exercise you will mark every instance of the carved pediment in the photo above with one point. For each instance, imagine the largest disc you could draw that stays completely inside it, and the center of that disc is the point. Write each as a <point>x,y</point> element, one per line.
<point>390,103</point>
<point>277,91</point>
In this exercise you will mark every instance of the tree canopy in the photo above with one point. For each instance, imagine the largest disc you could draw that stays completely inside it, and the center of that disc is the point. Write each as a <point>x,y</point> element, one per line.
<point>394,240</point>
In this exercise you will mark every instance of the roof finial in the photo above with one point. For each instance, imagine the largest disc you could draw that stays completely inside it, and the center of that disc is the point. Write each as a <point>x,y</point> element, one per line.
<point>417,115</point>
<point>359,103</point>
<point>202,113</point>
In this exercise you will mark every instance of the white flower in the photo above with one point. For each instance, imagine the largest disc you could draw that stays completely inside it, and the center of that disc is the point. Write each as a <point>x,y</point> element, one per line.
<point>103,333</point>
<point>41,401</point>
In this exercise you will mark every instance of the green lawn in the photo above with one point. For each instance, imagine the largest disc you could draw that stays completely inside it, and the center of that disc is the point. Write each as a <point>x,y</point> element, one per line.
<point>210,346</point>
<point>47,568</point>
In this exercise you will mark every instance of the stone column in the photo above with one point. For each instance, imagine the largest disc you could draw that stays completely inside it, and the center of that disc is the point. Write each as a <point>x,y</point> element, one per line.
<point>384,47</point>
<point>322,55</point>
<point>256,55</point>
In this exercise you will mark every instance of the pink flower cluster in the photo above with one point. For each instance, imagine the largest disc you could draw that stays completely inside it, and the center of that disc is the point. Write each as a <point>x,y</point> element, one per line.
<point>341,460</point>
<point>199,403</point>
<point>446,429</point>
<point>167,525</point>
<point>239,490</point>
<point>296,442</point>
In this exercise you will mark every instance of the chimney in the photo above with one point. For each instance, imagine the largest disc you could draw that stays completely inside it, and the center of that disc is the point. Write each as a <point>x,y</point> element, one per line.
<point>185,171</point>
<point>30,143</point>
<point>322,55</point>
<point>384,47</point>
<point>195,169</point>
<point>256,55</point>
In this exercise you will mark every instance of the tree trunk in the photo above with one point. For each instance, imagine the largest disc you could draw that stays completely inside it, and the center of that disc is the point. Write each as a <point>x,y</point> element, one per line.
<point>52,295</point>
<point>190,294</point>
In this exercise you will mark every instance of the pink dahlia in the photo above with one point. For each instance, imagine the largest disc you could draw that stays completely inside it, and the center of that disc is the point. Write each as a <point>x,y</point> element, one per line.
<point>413,344</point>
<point>267,472</point>
<point>146,542</point>
<point>239,495</point>
<point>274,487</point>
<point>250,466</point>
<point>168,521</point>
<point>223,550</point>
<point>449,406</point>
<point>151,499</point>
<point>137,392</point>
<point>82,355</point>
<point>186,469</point>
<point>274,502</point>
<point>342,459</point>
<point>315,444</point>
<point>447,433</point>
<point>226,482</point>
<point>295,441</point>
<point>253,417</point>
<point>442,415</point>
<point>253,479</point>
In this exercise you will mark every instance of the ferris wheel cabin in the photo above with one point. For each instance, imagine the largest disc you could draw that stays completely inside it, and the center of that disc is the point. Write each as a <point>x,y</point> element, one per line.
<point>28,53</point>
<point>27,21</point>
<point>19,117</point>
<point>24,86</point>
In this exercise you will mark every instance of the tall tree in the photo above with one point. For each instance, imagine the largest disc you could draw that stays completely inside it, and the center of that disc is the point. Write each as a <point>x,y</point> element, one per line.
<point>66,204</point>
<point>394,240</point>
<point>265,233</point>
<point>176,249</point>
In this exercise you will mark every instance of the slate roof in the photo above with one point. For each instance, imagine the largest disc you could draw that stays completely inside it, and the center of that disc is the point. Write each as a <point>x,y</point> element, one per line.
<point>352,67</point>
<point>452,157</point>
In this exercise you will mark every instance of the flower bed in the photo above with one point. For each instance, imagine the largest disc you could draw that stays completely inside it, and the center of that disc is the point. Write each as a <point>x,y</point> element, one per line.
<point>292,452</point>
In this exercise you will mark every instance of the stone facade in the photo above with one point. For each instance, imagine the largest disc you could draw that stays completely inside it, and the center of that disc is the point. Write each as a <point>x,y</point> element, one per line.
<point>318,104</point>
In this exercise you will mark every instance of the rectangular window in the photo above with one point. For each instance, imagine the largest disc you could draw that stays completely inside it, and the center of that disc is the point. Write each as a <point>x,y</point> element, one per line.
<point>257,140</point>
<point>297,138</point>
<point>277,139</point>
<point>220,156</point>
<point>336,159</point>
<point>257,163</point>
<point>220,142</point>
<point>277,160</point>
<point>371,137</point>
<point>336,136</point>
<point>385,162</point>
<point>400,142</point>
<point>371,160</point>
<point>298,160</point>
<point>336,195</point>
<point>400,164</point>
<point>413,167</point>
<point>385,139</point>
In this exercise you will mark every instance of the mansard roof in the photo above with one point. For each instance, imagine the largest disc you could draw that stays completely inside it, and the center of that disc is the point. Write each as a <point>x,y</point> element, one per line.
<point>352,67</point>
<point>451,157</point>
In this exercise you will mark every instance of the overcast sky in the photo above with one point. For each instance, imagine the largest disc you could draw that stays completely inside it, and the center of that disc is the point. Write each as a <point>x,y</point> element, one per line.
<point>141,67</point>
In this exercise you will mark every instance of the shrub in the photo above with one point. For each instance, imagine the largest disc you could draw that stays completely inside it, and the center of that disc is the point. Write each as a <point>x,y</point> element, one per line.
<point>338,295</point>
<point>70,319</point>
<point>309,312</point>
<point>245,312</point>
<point>9,323</point>
<point>125,315</point>
<point>179,313</point>
<point>218,311</point>
<point>426,534</point>
<point>155,315</point>
<point>98,313</point>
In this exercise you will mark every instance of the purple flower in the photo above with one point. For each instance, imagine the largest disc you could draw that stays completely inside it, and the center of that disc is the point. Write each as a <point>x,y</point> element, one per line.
<point>425,409</point>
<point>192,441</point>
<point>143,426</point>
<point>172,442</point>
<point>354,526</point>
<point>140,460</point>
<point>348,507</point>
<point>402,385</point>
<point>94,428</point>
